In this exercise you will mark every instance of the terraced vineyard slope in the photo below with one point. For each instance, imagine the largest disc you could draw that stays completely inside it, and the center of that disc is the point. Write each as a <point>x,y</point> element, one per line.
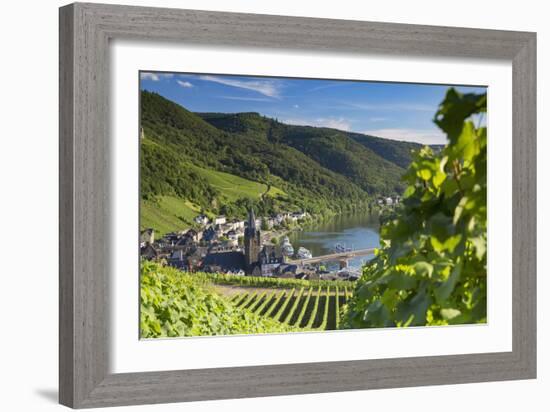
<point>307,308</point>
<point>175,303</point>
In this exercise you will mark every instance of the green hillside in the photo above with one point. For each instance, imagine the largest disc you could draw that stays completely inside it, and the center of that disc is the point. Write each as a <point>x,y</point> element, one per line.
<point>220,163</point>
<point>169,213</point>
<point>394,151</point>
<point>174,303</point>
<point>332,149</point>
<point>233,188</point>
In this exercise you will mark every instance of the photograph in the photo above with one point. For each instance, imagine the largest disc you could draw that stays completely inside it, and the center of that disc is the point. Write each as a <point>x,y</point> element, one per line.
<point>283,205</point>
<point>268,206</point>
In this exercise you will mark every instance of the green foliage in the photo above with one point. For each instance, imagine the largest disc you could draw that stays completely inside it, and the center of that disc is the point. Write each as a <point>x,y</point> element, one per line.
<point>200,157</point>
<point>279,314</point>
<point>303,311</point>
<point>232,188</point>
<point>315,308</point>
<point>337,308</point>
<point>266,282</point>
<point>259,309</point>
<point>394,151</point>
<point>294,309</point>
<point>271,309</point>
<point>389,213</point>
<point>336,151</point>
<point>249,299</point>
<point>163,172</point>
<point>431,268</point>
<point>259,300</point>
<point>290,314</point>
<point>167,214</point>
<point>324,322</point>
<point>175,304</point>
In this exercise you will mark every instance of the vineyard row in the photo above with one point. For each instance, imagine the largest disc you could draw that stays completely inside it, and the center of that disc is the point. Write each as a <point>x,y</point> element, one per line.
<point>314,307</point>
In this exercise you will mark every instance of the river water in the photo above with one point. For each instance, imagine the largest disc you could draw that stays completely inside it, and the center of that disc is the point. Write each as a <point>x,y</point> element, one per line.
<point>356,231</point>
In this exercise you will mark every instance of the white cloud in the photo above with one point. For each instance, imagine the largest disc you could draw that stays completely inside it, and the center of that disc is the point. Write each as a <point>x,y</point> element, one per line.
<point>149,76</point>
<point>334,123</point>
<point>269,88</point>
<point>410,135</point>
<point>296,106</point>
<point>248,99</point>
<point>184,84</point>
<point>155,76</point>
<point>414,107</point>
<point>341,124</point>
<point>328,86</point>
<point>377,119</point>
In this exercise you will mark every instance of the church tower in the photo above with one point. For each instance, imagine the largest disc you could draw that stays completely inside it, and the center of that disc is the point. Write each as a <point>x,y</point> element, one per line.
<point>252,242</point>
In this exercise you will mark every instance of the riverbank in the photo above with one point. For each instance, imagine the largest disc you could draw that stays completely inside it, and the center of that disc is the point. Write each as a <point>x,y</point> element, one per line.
<point>358,230</point>
<point>310,222</point>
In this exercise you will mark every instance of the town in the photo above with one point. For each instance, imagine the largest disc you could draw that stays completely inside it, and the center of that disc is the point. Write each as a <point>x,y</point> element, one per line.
<point>255,247</point>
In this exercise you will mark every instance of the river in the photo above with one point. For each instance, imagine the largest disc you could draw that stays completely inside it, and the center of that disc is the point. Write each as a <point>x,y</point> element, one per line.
<point>356,231</point>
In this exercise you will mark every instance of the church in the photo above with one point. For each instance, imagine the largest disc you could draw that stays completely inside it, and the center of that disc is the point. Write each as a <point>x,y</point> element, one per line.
<point>259,261</point>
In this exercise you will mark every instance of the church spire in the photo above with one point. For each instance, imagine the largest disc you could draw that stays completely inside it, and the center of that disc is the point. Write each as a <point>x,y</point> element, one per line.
<point>252,242</point>
<point>251,219</point>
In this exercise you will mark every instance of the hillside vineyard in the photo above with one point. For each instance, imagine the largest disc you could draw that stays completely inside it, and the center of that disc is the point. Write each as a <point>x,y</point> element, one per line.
<point>228,163</point>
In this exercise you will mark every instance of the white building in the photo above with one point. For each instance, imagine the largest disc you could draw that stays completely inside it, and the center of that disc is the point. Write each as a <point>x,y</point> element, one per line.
<point>237,225</point>
<point>233,238</point>
<point>268,222</point>
<point>201,220</point>
<point>298,215</point>
<point>220,220</point>
<point>147,237</point>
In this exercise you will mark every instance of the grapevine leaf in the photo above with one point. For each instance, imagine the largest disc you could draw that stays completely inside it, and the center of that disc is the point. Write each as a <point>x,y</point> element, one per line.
<point>423,269</point>
<point>443,292</point>
<point>449,313</point>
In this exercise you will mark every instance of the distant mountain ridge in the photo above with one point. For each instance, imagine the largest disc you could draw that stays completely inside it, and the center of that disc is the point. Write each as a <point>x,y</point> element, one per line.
<point>315,169</point>
<point>394,151</point>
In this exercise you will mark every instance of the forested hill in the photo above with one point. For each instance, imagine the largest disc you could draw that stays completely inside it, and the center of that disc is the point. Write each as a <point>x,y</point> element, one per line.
<point>224,163</point>
<point>333,149</point>
<point>394,151</point>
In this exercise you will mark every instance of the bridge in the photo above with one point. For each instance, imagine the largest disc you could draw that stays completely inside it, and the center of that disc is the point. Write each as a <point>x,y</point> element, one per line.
<point>340,256</point>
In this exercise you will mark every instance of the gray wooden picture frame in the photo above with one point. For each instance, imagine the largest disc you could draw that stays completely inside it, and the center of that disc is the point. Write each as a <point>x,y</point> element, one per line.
<point>85,32</point>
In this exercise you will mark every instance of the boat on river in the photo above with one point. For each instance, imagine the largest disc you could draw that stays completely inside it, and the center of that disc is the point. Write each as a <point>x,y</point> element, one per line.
<point>303,253</point>
<point>348,274</point>
<point>339,248</point>
<point>286,247</point>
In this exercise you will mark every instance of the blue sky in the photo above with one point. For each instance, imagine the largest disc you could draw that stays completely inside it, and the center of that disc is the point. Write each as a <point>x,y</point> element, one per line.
<point>399,111</point>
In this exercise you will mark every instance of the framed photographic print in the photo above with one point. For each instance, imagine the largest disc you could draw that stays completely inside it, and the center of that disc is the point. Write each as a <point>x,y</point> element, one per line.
<point>259,205</point>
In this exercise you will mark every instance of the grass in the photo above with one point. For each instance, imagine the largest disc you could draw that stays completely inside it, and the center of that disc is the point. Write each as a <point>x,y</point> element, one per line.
<point>233,187</point>
<point>168,214</point>
<point>275,192</point>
